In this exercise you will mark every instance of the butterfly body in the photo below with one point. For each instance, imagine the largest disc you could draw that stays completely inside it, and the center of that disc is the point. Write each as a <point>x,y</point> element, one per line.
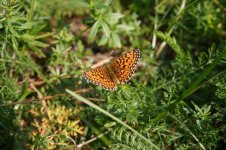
<point>119,71</point>
<point>111,74</point>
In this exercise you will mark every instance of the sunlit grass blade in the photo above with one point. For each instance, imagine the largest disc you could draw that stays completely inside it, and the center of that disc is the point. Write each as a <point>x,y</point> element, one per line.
<point>78,97</point>
<point>191,89</point>
<point>204,74</point>
<point>187,129</point>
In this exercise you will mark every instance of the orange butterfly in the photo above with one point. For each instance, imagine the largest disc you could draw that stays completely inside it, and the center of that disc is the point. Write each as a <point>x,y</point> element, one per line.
<point>119,71</point>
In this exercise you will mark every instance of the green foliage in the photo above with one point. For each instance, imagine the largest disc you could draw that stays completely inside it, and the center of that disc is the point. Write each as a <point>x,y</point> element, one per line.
<point>221,87</point>
<point>105,21</point>
<point>7,127</point>
<point>176,98</point>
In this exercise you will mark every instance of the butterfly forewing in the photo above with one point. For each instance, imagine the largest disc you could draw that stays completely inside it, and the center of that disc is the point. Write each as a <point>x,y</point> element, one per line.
<point>123,66</point>
<point>100,76</point>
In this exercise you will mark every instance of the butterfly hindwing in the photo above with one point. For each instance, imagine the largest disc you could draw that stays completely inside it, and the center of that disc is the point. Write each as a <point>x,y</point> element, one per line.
<point>123,66</point>
<point>100,76</point>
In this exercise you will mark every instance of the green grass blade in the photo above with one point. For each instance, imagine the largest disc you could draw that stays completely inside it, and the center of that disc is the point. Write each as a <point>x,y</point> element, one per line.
<point>192,88</point>
<point>78,97</point>
<point>188,130</point>
<point>204,74</point>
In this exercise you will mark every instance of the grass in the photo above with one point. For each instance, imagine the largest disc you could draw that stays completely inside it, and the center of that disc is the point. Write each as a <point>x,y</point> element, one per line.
<point>175,99</point>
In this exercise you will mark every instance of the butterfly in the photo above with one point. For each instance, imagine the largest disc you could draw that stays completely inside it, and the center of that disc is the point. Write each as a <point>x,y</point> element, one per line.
<point>117,72</point>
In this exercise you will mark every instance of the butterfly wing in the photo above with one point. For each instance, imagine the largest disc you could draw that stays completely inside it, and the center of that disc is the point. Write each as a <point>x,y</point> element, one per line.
<point>100,76</point>
<point>123,66</point>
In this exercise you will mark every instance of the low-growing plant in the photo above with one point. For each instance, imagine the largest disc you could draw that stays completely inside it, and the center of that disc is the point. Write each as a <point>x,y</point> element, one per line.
<point>175,99</point>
